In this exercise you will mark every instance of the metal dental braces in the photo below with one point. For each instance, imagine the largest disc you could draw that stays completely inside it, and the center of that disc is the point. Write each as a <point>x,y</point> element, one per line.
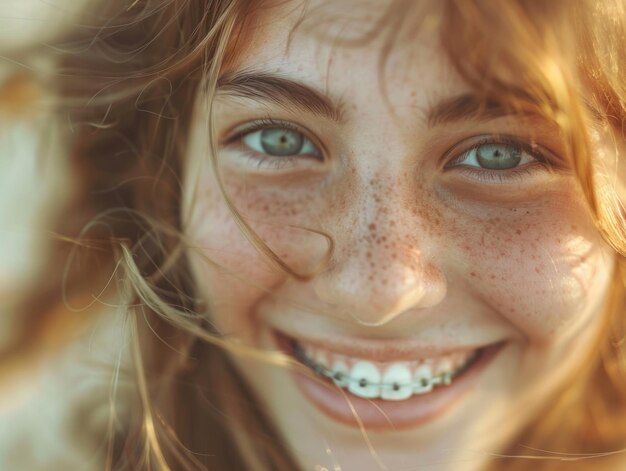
<point>424,383</point>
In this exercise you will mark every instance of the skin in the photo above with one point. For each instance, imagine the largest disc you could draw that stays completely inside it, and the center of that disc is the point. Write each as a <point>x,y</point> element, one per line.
<point>422,251</point>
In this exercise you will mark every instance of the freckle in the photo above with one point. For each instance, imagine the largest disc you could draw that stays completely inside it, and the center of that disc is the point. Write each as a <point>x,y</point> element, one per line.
<point>518,232</point>
<point>392,223</point>
<point>473,273</point>
<point>368,254</point>
<point>493,277</point>
<point>372,227</point>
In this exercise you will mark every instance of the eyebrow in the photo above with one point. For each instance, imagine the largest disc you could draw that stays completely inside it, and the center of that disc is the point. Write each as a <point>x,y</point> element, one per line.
<point>289,93</point>
<point>268,87</point>
<point>465,107</point>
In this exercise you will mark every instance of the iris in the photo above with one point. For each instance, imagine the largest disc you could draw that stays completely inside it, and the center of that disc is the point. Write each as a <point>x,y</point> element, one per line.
<point>498,156</point>
<point>281,141</point>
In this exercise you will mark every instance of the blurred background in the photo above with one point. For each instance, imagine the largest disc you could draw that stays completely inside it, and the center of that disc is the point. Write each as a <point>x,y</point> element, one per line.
<point>51,402</point>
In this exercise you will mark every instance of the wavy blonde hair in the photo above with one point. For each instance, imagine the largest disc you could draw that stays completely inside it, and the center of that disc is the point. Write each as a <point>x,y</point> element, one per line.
<point>129,82</point>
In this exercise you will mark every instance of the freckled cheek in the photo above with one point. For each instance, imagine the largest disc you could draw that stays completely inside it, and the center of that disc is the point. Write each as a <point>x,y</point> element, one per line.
<point>540,273</point>
<point>232,275</point>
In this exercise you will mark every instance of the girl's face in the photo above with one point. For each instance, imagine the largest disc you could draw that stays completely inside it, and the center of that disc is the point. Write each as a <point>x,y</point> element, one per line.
<point>464,252</point>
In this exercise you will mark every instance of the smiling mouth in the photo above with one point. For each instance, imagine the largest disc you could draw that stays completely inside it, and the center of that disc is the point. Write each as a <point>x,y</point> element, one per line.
<point>388,385</point>
<point>394,381</point>
<point>382,380</point>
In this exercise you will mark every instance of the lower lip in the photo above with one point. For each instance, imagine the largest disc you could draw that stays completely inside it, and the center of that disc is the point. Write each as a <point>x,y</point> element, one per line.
<point>378,414</point>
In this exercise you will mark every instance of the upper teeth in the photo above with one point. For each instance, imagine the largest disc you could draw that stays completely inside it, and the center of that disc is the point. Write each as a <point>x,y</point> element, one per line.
<point>398,381</point>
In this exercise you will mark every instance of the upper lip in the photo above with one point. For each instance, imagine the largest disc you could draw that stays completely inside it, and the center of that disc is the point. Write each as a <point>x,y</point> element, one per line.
<point>385,350</point>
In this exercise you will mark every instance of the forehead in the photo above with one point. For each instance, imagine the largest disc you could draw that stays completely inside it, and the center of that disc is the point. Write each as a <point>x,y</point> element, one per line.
<point>384,45</point>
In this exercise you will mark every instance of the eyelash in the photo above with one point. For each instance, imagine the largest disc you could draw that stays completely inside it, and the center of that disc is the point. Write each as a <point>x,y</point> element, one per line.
<point>266,162</point>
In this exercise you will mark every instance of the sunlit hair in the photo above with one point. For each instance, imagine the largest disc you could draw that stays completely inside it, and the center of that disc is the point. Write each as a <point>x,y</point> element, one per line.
<point>129,83</point>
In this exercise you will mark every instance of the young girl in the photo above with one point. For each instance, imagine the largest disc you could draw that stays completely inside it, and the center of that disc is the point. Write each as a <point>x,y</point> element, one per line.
<point>352,235</point>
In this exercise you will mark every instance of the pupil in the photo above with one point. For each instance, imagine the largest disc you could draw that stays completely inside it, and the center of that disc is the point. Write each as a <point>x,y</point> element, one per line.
<point>281,141</point>
<point>498,156</point>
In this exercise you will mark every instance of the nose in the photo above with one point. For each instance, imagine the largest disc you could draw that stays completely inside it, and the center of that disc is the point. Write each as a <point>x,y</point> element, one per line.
<point>382,268</point>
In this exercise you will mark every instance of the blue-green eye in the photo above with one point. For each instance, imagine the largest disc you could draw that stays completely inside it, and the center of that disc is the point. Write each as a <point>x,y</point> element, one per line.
<point>498,156</point>
<point>494,156</point>
<point>280,142</point>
